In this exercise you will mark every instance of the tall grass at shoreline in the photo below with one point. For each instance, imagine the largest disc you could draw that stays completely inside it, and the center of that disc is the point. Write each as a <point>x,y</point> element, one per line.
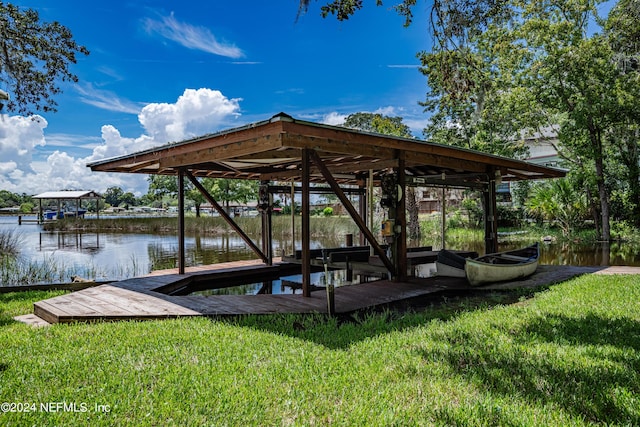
<point>10,241</point>
<point>17,271</point>
<point>206,225</point>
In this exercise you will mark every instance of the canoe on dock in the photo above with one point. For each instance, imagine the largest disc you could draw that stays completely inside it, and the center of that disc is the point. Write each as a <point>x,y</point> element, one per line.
<point>501,266</point>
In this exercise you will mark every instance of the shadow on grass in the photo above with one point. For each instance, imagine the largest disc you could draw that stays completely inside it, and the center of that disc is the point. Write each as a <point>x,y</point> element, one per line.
<point>18,303</point>
<point>341,332</point>
<point>587,366</point>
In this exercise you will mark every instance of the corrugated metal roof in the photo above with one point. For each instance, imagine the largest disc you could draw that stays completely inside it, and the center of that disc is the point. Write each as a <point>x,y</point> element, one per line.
<point>76,194</point>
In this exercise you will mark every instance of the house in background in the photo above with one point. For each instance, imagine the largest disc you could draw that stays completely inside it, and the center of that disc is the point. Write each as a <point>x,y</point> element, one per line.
<point>542,151</point>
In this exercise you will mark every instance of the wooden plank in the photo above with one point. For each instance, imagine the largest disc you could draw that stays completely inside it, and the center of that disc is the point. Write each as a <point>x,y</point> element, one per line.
<point>50,313</point>
<point>32,320</point>
<point>63,309</point>
<point>189,156</point>
<point>142,303</point>
<point>94,302</point>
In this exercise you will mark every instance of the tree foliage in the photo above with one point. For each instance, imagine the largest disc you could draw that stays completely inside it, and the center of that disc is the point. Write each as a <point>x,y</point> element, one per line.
<point>222,190</point>
<point>558,200</point>
<point>378,123</point>
<point>388,125</point>
<point>502,69</point>
<point>34,59</point>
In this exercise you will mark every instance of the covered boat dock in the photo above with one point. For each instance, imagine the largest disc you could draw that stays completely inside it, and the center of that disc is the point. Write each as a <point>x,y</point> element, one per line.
<point>312,157</point>
<point>76,196</point>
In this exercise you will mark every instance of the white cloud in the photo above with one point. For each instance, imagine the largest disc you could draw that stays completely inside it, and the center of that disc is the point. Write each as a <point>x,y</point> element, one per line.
<point>19,136</point>
<point>196,112</point>
<point>387,111</point>
<point>334,118</point>
<point>192,37</point>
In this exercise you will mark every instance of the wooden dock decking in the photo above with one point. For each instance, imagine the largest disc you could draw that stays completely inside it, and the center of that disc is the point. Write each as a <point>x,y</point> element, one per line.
<point>140,298</point>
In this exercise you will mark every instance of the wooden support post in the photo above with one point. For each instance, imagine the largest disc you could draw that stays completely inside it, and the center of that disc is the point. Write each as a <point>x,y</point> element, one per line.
<point>269,252</point>
<point>226,216</point>
<point>490,217</point>
<point>362,206</point>
<point>181,256</point>
<point>370,200</point>
<point>401,222</point>
<point>266,207</point>
<point>444,218</point>
<point>352,211</point>
<point>293,217</point>
<point>306,225</point>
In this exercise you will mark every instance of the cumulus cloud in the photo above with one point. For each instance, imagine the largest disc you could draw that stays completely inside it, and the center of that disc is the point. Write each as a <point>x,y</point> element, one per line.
<point>334,118</point>
<point>19,136</point>
<point>196,112</point>
<point>190,36</point>
<point>190,116</point>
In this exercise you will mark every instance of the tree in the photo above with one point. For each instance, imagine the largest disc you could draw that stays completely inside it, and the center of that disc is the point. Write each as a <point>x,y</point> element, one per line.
<point>161,186</point>
<point>377,123</point>
<point>34,57</point>
<point>234,190</point>
<point>623,34</point>
<point>113,195</point>
<point>535,65</point>
<point>222,190</point>
<point>387,125</point>
<point>559,201</point>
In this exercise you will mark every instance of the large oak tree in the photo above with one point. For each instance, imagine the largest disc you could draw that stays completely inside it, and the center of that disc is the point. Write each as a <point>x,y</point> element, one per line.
<point>34,59</point>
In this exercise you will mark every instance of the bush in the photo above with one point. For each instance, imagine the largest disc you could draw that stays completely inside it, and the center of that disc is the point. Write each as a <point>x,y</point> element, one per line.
<point>328,211</point>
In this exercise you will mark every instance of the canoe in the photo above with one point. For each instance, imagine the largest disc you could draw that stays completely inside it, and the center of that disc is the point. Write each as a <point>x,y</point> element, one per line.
<point>450,264</point>
<point>502,266</point>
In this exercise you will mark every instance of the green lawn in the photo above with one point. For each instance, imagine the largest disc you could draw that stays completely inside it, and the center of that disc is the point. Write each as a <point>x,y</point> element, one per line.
<point>569,355</point>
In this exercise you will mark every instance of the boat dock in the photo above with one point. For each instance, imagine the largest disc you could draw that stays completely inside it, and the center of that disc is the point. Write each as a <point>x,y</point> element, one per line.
<point>149,297</point>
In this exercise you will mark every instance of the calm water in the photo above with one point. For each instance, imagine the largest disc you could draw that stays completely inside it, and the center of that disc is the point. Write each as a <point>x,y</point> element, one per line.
<point>117,256</point>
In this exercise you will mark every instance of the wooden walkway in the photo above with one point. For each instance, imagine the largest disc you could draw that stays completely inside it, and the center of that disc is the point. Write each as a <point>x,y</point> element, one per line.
<point>147,298</point>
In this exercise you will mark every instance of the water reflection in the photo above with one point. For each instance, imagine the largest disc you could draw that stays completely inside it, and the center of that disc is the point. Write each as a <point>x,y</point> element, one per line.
<point>285,285</point>
<point>117,256</point>
<point>76,242</point>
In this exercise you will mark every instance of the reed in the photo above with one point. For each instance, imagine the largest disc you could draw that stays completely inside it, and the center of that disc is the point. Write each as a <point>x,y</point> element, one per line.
<point>10,241</point>
<point>206,225</point>
<point>19,271</point>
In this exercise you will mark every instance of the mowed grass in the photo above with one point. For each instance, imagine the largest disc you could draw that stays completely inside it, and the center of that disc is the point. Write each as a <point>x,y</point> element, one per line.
<point>567,355</point>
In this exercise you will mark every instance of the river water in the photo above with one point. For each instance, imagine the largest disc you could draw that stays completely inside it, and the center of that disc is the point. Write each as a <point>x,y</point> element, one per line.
<point>112,256</point>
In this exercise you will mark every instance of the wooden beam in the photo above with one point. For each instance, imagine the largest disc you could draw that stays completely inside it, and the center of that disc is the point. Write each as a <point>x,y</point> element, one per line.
<point>335,146</point>
<point>352,211</point>
<point>226,216</point>
<point>220,151</point>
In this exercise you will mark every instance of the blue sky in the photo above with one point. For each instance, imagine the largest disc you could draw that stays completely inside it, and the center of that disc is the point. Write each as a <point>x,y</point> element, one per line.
<point>162,71</point>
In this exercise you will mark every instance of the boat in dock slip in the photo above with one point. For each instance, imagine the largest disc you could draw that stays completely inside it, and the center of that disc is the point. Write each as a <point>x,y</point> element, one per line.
<point>502,266</point>
<point>64,214</point>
